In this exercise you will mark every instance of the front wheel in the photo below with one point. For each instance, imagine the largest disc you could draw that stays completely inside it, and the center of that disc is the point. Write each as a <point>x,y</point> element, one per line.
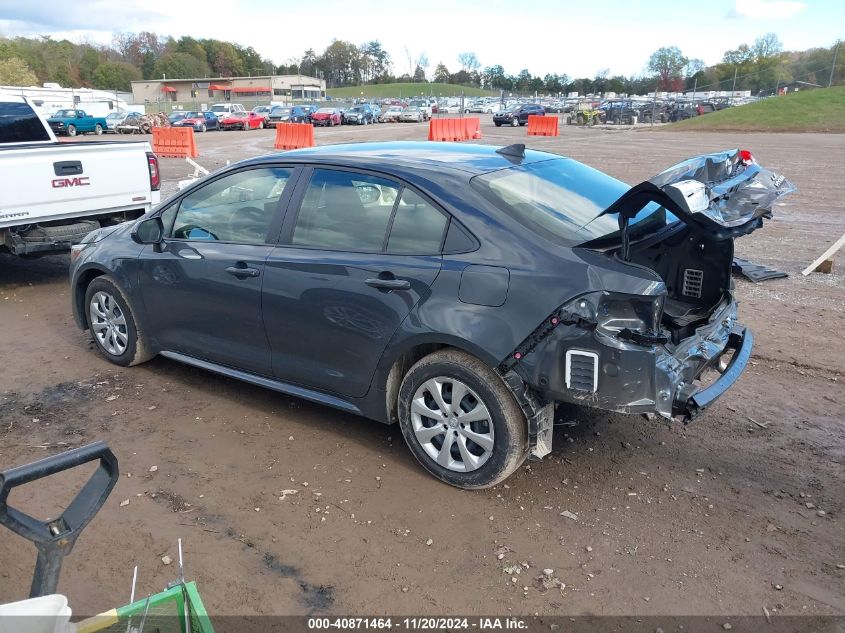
<point>515,122</point>
<point>461,421</point>
<point>112,324</point>
<point>71,130</point>
<point>203,128</point>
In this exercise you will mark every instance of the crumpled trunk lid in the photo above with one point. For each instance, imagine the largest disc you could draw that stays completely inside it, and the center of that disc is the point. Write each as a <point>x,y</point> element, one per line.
<point>722,195</point>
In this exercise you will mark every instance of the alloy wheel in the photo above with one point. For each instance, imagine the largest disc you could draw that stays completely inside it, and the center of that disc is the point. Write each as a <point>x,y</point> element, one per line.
<point>108,323</point>
<point>452,424</point>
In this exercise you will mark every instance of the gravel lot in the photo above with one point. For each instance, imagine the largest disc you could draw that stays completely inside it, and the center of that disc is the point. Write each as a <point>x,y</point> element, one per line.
<point>741,510</point>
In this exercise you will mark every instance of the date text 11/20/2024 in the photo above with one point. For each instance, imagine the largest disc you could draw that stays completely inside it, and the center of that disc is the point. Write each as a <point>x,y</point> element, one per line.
<point>418,624</point>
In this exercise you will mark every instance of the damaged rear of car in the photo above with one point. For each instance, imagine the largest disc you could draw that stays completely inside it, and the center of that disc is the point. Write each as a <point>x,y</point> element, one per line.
<point>659,311</point>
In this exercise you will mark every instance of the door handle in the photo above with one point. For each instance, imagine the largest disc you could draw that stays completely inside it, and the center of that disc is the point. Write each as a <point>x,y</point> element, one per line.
<point>243,271</point>
<point>389,284</point>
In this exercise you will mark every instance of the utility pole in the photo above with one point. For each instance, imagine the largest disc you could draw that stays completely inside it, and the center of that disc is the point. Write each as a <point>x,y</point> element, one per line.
<point>733,88</point>
<point>654,102</point>
<point>833,66</point>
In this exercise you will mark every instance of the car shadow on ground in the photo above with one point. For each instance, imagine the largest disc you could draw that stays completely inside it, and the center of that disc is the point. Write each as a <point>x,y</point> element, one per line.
<point>19,271</point>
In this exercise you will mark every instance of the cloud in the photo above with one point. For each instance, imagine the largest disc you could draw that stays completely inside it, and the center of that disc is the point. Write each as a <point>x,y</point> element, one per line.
<point>94,15</point>
<point>761,9</point>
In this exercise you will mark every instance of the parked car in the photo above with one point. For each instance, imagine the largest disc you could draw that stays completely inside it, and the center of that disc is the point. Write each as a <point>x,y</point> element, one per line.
<point>460,290</point>
<point>242,121</point>
<point>518,115</point>
<point>199,121</point>
<point>309,110</point>
<point>412,114</point>
<point>74,121</point>
<point>176,116</point>
<point>359,115</point>
<point>286,114</point>
<point>492,108</point>
<point>222,109</point>
<point>423,105</point>
<point>263,110</point>
<point>377,114</point>
<point>57,193</point>
<point>392,114</point>
<point>116,118</point>
<point>326,117</point>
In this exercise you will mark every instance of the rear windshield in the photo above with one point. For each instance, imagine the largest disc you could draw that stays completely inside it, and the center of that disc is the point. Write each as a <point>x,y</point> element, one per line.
<point>562,200</point>
<point>20,124</point>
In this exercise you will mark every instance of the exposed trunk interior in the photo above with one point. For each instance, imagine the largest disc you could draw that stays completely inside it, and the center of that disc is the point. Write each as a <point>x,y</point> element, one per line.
<point>697,273</point>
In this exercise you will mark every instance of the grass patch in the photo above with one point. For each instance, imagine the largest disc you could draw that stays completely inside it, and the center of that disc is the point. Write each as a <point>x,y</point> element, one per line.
<point>406,90</point>
<point>820,110</point>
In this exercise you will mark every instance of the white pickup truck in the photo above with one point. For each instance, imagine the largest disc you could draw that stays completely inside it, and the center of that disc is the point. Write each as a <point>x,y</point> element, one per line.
<point>56,193</point>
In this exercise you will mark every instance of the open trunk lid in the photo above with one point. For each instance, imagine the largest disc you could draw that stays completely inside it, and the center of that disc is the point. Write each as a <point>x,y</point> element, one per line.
<point>721,195</point>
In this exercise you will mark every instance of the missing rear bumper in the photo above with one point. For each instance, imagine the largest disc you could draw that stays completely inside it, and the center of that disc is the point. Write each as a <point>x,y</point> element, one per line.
<point>692,404</point>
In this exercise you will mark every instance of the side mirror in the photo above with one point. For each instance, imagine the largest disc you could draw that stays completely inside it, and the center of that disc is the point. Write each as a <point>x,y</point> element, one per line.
<point>149,231</point>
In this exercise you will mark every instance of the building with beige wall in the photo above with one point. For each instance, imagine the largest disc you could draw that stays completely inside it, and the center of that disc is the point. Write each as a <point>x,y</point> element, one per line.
<point>170,94</point>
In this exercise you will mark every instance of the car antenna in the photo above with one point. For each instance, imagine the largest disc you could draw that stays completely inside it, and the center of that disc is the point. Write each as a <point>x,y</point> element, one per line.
<point>517,150</point>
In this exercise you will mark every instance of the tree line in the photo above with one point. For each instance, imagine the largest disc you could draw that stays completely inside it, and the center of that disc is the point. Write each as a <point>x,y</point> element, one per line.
<point>761,65</point>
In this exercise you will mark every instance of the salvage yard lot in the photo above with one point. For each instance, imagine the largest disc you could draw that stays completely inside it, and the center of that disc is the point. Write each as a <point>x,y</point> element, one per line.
<point>706,519</point>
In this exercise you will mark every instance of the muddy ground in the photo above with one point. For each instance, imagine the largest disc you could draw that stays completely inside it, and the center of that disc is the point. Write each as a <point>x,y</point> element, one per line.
<point>743,509</point>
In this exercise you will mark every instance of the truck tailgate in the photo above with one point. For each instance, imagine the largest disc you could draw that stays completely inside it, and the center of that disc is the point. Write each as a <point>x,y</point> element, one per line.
<point>66,180</point>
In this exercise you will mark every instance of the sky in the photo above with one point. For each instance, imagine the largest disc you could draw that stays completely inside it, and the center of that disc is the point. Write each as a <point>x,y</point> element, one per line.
<point>545,36</point>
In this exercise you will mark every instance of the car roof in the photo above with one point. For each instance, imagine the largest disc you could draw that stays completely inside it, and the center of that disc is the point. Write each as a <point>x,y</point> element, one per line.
<point>402,156</point>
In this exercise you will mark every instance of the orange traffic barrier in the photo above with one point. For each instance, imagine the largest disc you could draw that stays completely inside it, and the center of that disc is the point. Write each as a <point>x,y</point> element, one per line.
<point>454,129</point>
<point>175,142</point>
<point>539,125</point>
<point>294,135</point>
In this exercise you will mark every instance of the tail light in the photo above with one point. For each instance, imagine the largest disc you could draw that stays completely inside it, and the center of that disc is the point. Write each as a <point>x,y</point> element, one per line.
<point>746,157</point>
<point>155,174</point>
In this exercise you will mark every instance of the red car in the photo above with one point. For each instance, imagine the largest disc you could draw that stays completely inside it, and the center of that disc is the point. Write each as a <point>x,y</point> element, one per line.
<point>326,116</point>
<point>243,121</point>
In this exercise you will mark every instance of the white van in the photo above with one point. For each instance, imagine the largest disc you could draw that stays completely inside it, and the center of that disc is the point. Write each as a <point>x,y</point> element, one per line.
<point>225,109</point>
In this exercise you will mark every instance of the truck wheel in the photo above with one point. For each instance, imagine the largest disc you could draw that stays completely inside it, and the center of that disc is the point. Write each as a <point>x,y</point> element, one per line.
<point>112,324</point>
<point>71,130</point>
<point>461,421</point>
<point>98,129</point>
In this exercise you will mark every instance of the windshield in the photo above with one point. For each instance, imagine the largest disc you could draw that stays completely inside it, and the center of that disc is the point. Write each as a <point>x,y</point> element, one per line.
<point>280,111</point>
<point>193,115</point>
<point>114,116</point>
<point>561,200</point>
<point>65,114</point>
<point>325,111</point>
<point>219,108</point>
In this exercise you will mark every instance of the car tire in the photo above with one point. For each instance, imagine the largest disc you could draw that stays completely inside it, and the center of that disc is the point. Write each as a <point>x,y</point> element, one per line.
<point>71,130</point>
<point>500,422</point>
<point>112,324</point>
<point>203,128</point>
<point>515,122</point>
<point>497,124</point>
<point>98,129</point>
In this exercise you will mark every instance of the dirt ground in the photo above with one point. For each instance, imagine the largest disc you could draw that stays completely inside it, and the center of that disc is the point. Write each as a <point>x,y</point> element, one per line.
<point>288,507</point>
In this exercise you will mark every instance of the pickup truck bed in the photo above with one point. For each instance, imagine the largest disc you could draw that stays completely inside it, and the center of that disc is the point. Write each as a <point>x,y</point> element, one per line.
<point>62,191</point>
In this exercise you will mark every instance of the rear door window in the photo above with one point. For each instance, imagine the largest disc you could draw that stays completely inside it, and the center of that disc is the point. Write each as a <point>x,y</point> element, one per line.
<point>20,124</point>
<point>418,226</point>
<point>345,211</point>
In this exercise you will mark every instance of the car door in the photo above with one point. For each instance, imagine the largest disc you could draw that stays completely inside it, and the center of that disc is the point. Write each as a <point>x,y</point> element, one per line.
<point>358,251</point>
<point>201,286</point>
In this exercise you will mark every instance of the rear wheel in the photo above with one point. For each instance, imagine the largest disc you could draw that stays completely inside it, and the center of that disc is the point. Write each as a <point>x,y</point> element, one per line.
<point>98,129</point>
<point>461,421</point>
<point>112,323</point>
